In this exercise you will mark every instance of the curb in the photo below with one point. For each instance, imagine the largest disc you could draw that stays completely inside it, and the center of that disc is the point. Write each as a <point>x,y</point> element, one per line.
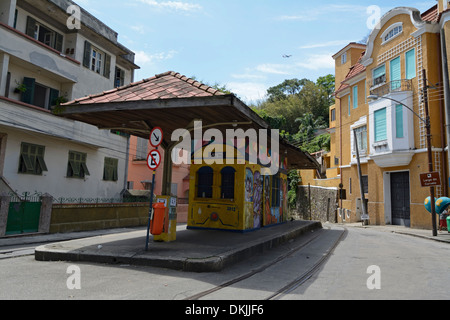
<point>207,264</point>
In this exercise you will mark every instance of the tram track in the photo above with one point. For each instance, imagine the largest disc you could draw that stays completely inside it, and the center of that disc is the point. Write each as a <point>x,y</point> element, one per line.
<point>291,286</point>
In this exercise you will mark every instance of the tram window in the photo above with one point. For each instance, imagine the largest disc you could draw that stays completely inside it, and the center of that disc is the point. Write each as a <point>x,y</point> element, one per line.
<point>205,182</point>
<point>276,191</point>
<point>227,188</point>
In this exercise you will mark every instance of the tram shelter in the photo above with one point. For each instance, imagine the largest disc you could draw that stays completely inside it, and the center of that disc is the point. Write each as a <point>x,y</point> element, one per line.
<point>172,101</point>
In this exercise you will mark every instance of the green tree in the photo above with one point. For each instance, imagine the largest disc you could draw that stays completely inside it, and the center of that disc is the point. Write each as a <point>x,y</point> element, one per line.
<point>285,89</point>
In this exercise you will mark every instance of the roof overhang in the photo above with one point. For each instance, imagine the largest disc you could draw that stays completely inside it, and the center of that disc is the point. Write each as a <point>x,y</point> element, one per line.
<point>138,118</point>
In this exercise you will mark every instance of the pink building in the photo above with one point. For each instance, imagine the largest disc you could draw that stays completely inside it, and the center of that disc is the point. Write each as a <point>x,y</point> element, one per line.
<point>140,176</point>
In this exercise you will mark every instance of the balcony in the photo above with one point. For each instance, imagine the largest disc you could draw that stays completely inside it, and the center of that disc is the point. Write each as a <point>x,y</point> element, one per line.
<point>392,125</point>
<point>381,88</point>
<point>20,46</point>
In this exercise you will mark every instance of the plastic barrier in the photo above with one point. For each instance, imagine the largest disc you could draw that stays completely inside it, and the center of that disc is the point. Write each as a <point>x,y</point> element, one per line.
<point>157,223</point>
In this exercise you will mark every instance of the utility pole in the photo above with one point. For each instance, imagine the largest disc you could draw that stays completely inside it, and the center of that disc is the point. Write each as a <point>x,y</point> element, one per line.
<point>365,216</point>
<point>430,154</point>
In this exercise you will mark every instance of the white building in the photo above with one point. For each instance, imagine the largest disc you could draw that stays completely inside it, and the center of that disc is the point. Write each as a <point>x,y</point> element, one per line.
<point>45,60</point>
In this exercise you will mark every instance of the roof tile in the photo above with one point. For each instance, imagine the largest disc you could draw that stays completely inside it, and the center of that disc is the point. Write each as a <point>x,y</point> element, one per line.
<point>166,85</point>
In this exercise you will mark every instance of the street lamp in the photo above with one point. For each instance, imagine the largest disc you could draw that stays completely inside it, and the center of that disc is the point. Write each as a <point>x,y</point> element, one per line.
<point>427,123</point>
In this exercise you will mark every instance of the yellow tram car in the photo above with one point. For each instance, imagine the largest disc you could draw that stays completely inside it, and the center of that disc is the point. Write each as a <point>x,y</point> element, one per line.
<point>234,197</point>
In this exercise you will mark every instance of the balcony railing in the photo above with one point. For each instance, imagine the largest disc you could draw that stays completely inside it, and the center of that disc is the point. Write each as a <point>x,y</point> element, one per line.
<point>392,86</point>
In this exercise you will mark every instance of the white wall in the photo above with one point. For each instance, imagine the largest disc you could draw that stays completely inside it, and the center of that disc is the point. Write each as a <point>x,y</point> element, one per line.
<point>67,136</point>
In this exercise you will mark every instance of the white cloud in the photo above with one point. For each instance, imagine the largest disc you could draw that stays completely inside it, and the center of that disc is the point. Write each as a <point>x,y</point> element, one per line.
<point>248,91</point>
<point>274,68</point>
<point>318,61</point>
<point>139,29</point>
<point>144,58</point>
<point>175,5</point>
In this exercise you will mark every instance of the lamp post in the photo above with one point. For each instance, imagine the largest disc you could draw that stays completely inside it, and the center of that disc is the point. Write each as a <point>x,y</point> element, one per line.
<point>427,123</point>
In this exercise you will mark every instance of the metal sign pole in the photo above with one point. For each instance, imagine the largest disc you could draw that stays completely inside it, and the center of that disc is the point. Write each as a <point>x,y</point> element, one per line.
<point>156,138</point>
<point>150,213</point>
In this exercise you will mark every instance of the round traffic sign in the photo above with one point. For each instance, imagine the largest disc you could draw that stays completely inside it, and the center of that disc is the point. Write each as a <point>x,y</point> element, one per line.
<point>154,159</point>
<point>156,137</point>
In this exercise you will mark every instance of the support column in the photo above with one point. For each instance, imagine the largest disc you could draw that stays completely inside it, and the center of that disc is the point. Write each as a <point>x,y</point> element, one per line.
<point>4,67</point>
<point>8,12</point>
<point>5,199</point>
<point>46,213</point>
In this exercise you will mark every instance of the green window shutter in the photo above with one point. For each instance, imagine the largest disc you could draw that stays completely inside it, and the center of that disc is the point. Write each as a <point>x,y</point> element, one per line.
<point>107,68</point>
<point>380,71</point>
<point>54,94</point>
<point>58,42</point>
<point>87,54</point>
<point>380,125</point>
<point>399,121</point>
<point>28,95</point>
<point>395,74</point>
<point>355,97</point>
<point>410,64</point>
<point>31,27</point>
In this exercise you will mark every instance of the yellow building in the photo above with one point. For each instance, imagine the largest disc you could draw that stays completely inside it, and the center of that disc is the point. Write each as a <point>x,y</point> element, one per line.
<point>388,126</point>
<point>235,197</point>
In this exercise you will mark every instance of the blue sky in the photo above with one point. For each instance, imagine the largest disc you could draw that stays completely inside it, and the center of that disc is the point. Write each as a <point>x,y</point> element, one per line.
<point>239,43</point>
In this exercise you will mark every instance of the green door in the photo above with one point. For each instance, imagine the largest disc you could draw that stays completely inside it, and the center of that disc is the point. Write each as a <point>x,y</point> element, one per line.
<point>23,217</point>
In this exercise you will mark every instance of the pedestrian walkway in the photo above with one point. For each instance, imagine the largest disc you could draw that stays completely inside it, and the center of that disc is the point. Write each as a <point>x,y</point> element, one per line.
<point>442,236</point>
<point>193,250</point>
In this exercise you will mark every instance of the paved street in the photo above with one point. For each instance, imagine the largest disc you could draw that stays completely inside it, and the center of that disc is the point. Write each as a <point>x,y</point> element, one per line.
<point>408,268</point>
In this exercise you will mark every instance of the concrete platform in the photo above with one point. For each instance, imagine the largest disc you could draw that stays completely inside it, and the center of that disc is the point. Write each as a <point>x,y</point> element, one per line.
<point>193,251</point>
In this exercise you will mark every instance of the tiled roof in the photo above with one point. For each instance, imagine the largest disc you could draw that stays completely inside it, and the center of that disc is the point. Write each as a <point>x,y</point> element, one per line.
<point>166,85</point>
<point>354,71</point>
<point>431,15</point>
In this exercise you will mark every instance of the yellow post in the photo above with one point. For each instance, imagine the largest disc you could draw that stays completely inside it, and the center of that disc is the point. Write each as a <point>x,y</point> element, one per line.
<point>170,228</point>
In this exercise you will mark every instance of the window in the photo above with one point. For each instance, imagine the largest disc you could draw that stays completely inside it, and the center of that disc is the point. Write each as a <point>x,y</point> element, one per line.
<point>333,114</point>
<point>379,75</point>
<point>43,34</point>
<point>349,104</point>
<point>119,78</point>
<point>361,137</point>
<point>393,32</point>
<point>32,159</point>
<point>141,149</point>
<point>110,171</point>
<point>344,58</point>
<point>395,74</point>
<point>276,190</point>
<point>399,121</point>
<point>38,94</point>
<point>355,97</point>
<point>96,60</point>
<point>227,188</point>
<point>380,125</point>
<point>77,167</point>
<point>205,177</point>
<point>410,58</point>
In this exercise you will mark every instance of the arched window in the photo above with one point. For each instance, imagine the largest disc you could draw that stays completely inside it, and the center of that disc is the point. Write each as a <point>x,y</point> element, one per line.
<point>227,187</point>
<point>205,177</point>
<point>391,32</point>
